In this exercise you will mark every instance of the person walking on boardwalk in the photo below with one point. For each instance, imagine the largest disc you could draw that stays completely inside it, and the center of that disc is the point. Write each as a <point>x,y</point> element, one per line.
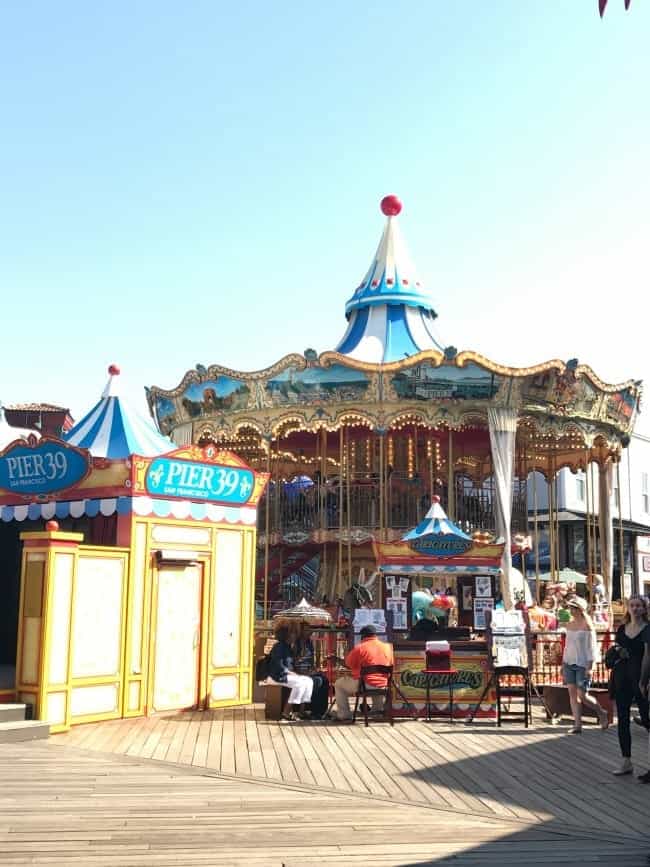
<point>632,643</point>
<point>581,653</point>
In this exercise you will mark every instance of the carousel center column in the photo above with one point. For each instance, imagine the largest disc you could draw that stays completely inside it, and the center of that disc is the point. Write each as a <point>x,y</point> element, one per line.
<point>502,422</point>
<point>606,527</point>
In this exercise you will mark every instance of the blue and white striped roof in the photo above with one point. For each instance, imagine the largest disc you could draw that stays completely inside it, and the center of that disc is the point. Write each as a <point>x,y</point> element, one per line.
<point>436,523</point>
<point>113,430</point>
<point>390,315</point>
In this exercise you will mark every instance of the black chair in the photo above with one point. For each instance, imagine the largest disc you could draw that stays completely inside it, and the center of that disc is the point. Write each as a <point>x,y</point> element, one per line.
<point>366,691</point>
<point>509,691</point>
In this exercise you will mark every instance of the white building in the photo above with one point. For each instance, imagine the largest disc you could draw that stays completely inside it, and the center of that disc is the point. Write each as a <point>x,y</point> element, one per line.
<point>572,490</point>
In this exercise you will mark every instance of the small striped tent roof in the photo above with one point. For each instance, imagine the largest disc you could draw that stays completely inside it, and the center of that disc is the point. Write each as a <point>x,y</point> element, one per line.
<point>113,430</point>
<point>436,523</point>
<point>390,316</point>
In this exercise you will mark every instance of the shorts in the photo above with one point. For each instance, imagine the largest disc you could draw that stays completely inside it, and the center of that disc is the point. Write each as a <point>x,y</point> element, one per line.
<point>576,675</point>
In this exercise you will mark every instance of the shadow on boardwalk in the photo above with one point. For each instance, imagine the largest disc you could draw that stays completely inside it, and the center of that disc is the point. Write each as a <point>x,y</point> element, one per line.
<point>499,796</point>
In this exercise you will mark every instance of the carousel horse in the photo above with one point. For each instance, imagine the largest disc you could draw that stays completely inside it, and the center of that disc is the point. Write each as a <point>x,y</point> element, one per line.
<point>357,596</point>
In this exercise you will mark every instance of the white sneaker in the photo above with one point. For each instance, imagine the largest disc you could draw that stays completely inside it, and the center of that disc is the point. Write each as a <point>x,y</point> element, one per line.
<point>625,768</point>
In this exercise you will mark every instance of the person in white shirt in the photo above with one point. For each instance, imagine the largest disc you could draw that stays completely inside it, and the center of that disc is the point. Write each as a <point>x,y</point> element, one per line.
<point>581,653</point>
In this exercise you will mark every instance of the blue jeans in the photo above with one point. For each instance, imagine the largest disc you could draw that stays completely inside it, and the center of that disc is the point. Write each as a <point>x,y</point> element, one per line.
<point>576,675</point>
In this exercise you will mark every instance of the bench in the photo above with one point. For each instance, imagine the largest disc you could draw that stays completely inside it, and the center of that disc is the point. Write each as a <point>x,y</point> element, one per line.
<point>275,700</point>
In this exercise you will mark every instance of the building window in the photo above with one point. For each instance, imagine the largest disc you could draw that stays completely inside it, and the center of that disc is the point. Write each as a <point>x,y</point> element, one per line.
<point>580,489</point>
<point>645,493</point>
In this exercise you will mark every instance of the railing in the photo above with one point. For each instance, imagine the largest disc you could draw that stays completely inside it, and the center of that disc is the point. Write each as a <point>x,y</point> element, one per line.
<point>548,648</point>
<point>331,505</point>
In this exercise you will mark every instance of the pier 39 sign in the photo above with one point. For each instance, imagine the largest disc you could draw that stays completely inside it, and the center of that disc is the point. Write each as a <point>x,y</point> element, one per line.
<point>177,477</point>
<point>41,467</point>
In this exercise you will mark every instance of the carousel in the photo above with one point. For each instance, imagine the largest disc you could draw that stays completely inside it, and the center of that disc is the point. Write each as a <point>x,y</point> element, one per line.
<point>359,441</point>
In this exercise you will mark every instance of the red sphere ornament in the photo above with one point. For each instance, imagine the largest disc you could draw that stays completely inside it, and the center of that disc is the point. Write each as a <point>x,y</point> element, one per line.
<point>435,499</point>
<point>390,206</point>
<point>51,526</point>
<point>114,370</point>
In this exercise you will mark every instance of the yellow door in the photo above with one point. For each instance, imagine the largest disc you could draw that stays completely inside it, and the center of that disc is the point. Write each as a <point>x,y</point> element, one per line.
<point>178,629</point>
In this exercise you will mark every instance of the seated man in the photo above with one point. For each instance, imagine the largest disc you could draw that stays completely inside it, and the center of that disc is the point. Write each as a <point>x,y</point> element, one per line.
<point>369,651</point>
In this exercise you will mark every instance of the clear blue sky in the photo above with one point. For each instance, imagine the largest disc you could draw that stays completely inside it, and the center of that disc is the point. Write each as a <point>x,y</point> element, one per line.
<point>199,181</point>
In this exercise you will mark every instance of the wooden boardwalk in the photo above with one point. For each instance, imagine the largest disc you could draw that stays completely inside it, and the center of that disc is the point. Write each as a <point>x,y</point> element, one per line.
<point>62,805</point>
<point>542,774</point>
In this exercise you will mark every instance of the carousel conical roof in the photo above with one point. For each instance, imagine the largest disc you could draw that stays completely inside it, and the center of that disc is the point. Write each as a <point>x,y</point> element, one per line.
<point>113,430</point>
<point>436,523</point>
<point>304,611</point>
<point>390,314</point>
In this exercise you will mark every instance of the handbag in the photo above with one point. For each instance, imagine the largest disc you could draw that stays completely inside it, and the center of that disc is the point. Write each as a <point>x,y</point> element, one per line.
<point>613,656</point>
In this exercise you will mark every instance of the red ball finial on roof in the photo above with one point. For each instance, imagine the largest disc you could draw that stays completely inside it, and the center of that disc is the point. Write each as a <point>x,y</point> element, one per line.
<point>114,370</point>
<point>52,526</point>
<point>390,206</point>
<point>435,499</point>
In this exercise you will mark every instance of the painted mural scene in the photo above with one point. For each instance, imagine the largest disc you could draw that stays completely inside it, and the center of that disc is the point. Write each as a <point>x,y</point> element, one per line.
<point>378,598</point>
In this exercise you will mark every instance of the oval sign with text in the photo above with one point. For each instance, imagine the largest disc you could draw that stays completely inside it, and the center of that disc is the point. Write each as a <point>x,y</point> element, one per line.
<point>441,545</point>
<point>170,477</point>
<point>42,468</point>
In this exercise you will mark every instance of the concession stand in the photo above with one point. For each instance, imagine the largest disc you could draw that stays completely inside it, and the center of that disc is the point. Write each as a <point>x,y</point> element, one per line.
<point>461,575</point>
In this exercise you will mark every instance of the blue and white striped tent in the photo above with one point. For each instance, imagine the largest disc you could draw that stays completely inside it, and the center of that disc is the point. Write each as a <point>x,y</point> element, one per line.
<point>390,316</point>
<point>114,430</point>
<point>436,523</point>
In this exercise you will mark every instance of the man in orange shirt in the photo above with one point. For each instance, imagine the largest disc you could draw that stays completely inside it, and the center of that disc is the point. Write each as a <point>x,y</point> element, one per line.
<point>369,651</point>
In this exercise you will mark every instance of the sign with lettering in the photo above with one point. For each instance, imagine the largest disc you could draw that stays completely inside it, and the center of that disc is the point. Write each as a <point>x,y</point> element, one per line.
<point>468,679</point>
<point>190,480</point>
<point>41,467</point>
<point>441,545</point>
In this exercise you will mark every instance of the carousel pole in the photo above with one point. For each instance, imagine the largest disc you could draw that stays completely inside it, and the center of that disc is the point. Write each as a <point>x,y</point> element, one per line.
<point>381,485</point>
<point>323,502</point>
<point>551,526</point>
<point>340,562</point>
<point>558,540</point>
<point>451,493</point>
<point>267,530</point>
<point>535,524</point>
<point>593,519</point>
<point>621,551</point>
<point>348,499</point>
<point>589,552</point>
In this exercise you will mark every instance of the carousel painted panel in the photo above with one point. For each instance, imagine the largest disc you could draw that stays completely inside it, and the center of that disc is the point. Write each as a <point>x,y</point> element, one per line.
<point>316,385</point>
<point>468,685</point>
<point>427,382</point>
<point>563,391</point>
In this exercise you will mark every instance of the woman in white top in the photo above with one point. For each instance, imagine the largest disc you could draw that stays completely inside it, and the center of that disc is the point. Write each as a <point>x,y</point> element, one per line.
<point>581,653</point>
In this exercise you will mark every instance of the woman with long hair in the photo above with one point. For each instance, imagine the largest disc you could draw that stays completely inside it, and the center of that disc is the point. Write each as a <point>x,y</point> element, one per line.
<point>282,671</point>
<point>581,653</point>
<point>632,640</point>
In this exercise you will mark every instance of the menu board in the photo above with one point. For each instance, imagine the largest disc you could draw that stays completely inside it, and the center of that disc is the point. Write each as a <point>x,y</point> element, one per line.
<point>399,610</point>
<point>369,617</point>
<point>480,607</point>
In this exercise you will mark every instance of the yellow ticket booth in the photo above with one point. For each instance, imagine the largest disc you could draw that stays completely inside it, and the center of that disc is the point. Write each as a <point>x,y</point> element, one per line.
<point>150,607</point>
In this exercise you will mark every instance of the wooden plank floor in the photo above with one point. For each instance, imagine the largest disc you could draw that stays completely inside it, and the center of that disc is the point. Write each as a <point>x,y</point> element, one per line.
<point>542,774</point>
<point>64,805</point>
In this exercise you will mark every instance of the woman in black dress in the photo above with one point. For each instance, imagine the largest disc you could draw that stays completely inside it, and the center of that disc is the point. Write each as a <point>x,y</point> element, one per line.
<point>632,641</point>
